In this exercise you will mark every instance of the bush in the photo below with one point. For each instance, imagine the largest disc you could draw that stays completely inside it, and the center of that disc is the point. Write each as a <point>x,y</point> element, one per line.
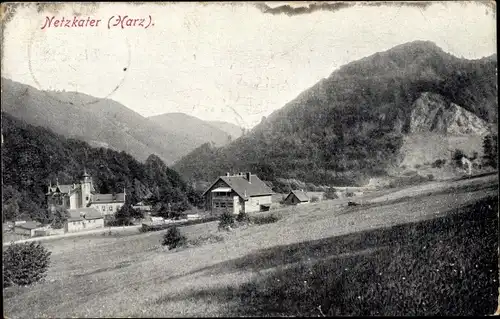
<point>314,199</point>
<point>430,177</point>
<point>226,221</point>
<point>25,263</point>
<point>349,194</point>
<point>242,217</point>
<point>267,219</point>
<point>173,238</point>
<point>457,157</point>
<point>124,216</point>
<point>59,217</point>
<point>438,163</point>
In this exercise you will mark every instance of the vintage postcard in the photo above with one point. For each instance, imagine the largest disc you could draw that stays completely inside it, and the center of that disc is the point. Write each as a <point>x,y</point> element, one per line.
<point>221,159</point>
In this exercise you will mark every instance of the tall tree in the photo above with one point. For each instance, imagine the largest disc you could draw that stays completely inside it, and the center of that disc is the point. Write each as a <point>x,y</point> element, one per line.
<point>490,150</point>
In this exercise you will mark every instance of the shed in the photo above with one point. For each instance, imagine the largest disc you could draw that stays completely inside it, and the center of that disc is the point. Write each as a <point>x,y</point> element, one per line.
<point>297,197</point>
<point>83,219</point>
<point>27,228</point>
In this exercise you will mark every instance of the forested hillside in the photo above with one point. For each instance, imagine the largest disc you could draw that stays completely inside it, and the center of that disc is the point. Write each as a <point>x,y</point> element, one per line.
<point>350,126</point>
<point>33,156</point>
<point>101,122</point>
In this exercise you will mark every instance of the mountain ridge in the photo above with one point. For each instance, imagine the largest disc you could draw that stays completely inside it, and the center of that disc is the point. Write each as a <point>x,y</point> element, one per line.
<point>350,125</point>
<point>101,122</point>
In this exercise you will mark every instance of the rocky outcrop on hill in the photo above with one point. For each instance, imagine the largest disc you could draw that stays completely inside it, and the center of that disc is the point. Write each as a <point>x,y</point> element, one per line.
<point>434,113</point>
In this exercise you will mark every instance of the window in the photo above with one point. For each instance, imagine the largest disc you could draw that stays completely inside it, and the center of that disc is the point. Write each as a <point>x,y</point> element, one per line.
<point>110,208</point>
<point>103,208</point>
<point>222,205</point>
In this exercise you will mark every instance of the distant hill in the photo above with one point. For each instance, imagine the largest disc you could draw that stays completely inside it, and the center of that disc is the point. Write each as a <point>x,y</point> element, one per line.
<point>234,130</point>
<point>100,122</point>
<point>192,128</point>
<point>351,126</point>
<point>33,157</point>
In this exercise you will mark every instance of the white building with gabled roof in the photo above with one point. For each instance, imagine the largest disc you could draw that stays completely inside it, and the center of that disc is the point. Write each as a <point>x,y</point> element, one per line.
<point>82,195</point>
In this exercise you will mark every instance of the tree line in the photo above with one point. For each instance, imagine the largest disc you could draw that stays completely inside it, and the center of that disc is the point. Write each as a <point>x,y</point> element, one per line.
<point>33,157</point>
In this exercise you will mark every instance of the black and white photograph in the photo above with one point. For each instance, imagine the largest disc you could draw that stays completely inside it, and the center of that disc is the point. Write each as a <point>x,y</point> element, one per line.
<point>249,159</point>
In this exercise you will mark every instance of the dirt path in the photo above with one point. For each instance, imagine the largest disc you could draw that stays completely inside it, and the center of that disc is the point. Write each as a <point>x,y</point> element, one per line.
<point>76,234</point>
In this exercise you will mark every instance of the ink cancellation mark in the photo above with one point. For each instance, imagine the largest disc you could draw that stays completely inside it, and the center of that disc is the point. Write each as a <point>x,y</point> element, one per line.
<point>48,92</point>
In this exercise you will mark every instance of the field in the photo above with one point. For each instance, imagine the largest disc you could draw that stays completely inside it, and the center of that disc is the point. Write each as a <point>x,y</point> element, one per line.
<point>424,250</point>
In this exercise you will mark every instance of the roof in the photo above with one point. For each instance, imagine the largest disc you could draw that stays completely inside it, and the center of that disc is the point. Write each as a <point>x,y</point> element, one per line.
<point>108,198</point>
<point>79,214</point>
<point>65,188</point>
<point>242,187</point>
<point>301,196</point>
<point>29,225</point>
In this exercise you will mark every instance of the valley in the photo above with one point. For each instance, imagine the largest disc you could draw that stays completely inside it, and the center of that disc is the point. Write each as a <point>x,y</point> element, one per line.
<point>372,192</point>
<point>380,249</point>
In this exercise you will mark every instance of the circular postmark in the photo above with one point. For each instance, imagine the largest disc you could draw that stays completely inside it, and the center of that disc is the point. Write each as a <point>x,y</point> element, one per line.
<point>77,61</point>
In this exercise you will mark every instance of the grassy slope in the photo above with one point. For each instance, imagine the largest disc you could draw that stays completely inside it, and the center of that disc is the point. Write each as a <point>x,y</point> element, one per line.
<point>441,259</point>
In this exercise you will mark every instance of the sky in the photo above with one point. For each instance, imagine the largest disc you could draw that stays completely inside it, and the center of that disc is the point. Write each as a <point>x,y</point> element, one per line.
<point>226,62</point>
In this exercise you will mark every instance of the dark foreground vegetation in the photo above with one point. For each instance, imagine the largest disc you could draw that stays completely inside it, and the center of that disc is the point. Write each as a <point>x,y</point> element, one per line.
<point>24,264</point>
<point>443,266</point>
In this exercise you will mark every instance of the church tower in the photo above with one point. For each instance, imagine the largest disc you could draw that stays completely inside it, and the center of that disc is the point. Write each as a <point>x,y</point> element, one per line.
<point>86,185</point>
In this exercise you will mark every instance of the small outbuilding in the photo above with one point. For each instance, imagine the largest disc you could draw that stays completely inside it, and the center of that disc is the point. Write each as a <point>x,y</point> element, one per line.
<point>28,228</point>
<point>83,219</point>
<point>297,197</point>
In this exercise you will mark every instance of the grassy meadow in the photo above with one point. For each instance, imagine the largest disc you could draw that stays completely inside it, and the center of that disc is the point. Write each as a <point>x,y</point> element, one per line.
<point>424,251</point>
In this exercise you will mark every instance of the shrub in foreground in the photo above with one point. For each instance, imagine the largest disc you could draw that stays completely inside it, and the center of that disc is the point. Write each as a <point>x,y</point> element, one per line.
<point>242,217</point>
<point>25,263</point>
<point>226,221</point>
<point>173,238</point>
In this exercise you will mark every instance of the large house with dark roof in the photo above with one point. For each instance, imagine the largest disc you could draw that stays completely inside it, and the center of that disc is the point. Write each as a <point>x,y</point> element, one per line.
<point>237,193</point>
<point>83,195</point>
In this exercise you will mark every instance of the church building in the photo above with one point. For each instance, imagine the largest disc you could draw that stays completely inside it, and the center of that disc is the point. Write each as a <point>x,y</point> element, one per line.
<point>84,195</point>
